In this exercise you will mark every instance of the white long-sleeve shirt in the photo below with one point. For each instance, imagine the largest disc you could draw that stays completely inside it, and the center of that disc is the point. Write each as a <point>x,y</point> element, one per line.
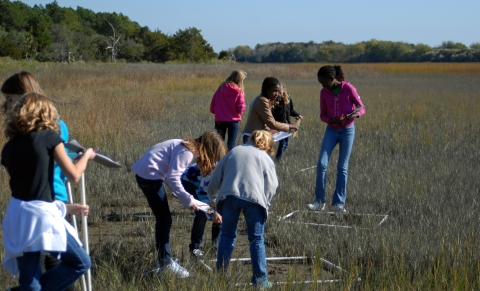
<point>30,226</point>
<point>167,161</point>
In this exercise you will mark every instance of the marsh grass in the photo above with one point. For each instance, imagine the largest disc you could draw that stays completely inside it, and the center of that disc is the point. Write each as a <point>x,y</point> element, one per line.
<point>415,158</point>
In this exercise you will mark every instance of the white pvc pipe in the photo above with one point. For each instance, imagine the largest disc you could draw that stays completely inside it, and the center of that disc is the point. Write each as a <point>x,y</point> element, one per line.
<point>74,219</point>
<point>85,230</point>
<point>293,282</point>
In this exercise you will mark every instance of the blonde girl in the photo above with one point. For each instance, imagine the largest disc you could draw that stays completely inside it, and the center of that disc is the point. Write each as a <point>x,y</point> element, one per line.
<point>281,111</point>
<point>228,105</point>
<point>34,220</point>
<point>245,181</point>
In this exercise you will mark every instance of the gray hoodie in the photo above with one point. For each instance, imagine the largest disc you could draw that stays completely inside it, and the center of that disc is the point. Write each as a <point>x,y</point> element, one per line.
<point>247,173</point>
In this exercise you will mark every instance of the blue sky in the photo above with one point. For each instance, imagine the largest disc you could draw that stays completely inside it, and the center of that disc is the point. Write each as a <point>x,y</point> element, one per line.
<point>227,24</point>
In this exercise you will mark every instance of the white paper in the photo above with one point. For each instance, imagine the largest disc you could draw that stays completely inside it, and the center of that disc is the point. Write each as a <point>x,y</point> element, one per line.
<point>281,135</point>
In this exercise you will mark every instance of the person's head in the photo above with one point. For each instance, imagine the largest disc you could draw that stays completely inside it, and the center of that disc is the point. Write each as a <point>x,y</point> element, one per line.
<point>209,149</point>
<point>33,112</point>
<point>328,76</point>
<point>263,140</point>
<point>16,86</point>
<point>271,88</point>
<point>237,78</point>
<point>284,95</point>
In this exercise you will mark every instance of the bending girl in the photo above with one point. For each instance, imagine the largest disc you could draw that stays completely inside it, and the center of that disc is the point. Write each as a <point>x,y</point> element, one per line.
<point>165,162</point>
<point>245,181</point>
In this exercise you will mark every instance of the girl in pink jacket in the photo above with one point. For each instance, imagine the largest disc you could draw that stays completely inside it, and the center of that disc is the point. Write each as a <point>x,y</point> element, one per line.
<point>228,105</point>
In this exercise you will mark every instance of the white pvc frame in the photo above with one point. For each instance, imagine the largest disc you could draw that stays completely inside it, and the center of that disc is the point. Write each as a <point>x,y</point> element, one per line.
<point>328,263</point>
<point>283,219</point>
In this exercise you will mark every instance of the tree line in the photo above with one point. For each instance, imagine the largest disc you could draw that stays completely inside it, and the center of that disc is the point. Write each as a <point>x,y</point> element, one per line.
<point>54,33</point>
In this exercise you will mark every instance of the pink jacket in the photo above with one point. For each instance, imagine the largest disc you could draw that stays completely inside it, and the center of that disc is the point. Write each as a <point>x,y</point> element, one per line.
<point>332,106</point>
<point>228,103</point>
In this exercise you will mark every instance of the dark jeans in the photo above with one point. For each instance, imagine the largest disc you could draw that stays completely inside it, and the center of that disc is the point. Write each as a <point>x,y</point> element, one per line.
<point>74,263</point>
<point>156,196</point>
<point>282,146</point>
<point>245,138</point>
<point>231,127</point>
<point>199,222</point>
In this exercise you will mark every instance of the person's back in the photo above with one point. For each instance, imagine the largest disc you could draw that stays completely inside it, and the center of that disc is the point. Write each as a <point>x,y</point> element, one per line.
<point>29,161</point>
<point>248,173</point>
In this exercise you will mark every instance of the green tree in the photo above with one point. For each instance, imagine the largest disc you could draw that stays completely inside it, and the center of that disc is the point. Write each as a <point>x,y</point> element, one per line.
<point>452,45</point>
<point>189,45</point>
<point>156,47</point>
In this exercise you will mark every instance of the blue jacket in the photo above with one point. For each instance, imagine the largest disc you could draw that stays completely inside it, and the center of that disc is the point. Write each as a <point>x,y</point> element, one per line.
<point>59,178</point>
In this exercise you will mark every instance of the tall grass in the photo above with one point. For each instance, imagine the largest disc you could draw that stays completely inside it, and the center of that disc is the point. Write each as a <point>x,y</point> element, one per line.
<point>415,157</point>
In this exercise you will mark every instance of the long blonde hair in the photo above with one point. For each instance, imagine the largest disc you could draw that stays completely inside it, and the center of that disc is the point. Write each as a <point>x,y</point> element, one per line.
<point>236,77</point>
<point>263,140</point>
<point>209,149</point>
<point>285,98</point>
<point>33,113</point>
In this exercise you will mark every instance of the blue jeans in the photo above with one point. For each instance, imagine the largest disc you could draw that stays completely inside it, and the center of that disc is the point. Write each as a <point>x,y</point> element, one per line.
<point>231,127</point>
<point>156,196</point>
<point>282,146</point>
<point>255,217</point>
<point>74,263</point>
<point>199,222</point>
<point>344,137</point>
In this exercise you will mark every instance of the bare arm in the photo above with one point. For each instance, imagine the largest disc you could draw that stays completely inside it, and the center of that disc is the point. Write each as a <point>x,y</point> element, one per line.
<point>72,171</point>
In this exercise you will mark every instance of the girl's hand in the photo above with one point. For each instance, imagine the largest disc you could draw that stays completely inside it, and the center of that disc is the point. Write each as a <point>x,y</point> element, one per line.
<point>293,126</point>
<point>352,116</point>
<point>338,121</point>
<point>217,218</point>
<point>194,207</point>
<point>88,152</point>
<point>77,209</point>
<point>273,131</point>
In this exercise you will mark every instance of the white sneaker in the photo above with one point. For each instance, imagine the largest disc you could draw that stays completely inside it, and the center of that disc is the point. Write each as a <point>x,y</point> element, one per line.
<point>316,206</point>
<point>175,268</point>
<point>339,209</point>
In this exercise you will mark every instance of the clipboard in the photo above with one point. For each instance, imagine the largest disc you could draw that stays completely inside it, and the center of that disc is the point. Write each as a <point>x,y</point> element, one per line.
<point>281,135</point>
<point>76,147</point>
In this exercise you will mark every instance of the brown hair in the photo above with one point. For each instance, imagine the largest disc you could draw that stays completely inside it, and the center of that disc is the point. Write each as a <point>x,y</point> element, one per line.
<point>209,149</point>
<point>263,140</point>
<point>236,77</point>
<point>19,84</point>
<point>33,112</point>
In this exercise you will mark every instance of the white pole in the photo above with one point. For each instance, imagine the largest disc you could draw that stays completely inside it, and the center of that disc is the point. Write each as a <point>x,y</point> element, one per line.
<point>85,229</point>
<point>74,219</point>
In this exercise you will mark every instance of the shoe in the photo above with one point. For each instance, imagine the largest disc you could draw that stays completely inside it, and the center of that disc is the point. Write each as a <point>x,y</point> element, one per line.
<point>175,268</point>
<point>197,254</point>
<point>339,209</point>
<point>316,206</point>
